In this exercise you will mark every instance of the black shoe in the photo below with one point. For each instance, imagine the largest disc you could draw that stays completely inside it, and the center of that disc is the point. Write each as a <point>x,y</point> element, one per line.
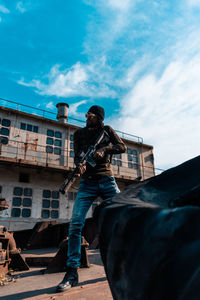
<point>70,280</point>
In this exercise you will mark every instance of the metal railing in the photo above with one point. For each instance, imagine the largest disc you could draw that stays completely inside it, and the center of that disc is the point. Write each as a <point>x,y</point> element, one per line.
<point>53,116</point>
<point>36,154</point>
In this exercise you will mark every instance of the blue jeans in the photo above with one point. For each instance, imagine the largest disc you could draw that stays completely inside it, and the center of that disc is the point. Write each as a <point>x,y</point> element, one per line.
<point>89,190</point>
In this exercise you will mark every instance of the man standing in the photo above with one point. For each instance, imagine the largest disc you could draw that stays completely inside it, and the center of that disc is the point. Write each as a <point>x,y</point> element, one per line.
<point>96,181</point>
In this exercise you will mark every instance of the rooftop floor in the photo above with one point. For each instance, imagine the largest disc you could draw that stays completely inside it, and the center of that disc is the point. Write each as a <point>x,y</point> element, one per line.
<point>33,284</point>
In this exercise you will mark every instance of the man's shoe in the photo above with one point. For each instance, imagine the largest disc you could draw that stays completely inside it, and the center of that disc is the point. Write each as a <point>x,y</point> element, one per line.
<point>70,280</point>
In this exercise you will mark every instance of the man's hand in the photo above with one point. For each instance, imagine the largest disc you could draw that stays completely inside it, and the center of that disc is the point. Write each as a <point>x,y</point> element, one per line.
<point>99,154</point>
<point>82,169</point>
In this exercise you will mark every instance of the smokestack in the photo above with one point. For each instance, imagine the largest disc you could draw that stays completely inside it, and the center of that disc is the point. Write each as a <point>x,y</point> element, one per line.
<point>62,115</point>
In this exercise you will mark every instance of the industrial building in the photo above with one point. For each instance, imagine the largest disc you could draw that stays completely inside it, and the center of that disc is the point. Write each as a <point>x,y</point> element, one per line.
<point>36,155</point>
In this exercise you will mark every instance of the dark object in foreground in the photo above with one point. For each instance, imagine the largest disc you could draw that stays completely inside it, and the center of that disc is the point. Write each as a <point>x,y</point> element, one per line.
<point>150,248</point>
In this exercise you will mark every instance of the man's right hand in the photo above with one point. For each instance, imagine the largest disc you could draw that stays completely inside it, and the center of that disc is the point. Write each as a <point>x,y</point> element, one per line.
<point>82,169</point>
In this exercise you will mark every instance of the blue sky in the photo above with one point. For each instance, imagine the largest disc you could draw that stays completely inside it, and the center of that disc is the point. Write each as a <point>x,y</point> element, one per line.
<point>139,59</point>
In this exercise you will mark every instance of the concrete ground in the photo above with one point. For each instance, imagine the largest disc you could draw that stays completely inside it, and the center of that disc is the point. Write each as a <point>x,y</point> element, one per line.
<point>33,284</point>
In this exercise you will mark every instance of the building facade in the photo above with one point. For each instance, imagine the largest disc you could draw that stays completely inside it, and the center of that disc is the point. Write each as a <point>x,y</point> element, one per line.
<point>36,155</point>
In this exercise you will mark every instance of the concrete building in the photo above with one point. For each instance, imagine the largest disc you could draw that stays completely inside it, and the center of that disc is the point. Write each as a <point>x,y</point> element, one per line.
<point>36,154</point>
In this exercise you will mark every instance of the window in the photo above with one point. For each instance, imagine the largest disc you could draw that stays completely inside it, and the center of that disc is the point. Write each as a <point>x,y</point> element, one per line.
<point>3,140</point>
<point>21,202</point>
<point>4,131</point>
<point>0,189</point>
<point>71,146</point>
<point>71,154</point>
<point>49,141</point>
<point>29,127</point>
<point>49,149</point>
<point>55,140</point>
<point>24,177</point>
<point>117,160</point>
<point>133,159</point>
<point>5,122</point>
<point>50,204</point>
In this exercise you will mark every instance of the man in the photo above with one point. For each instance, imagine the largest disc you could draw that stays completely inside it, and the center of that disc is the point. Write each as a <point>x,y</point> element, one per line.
<point>96,181</point>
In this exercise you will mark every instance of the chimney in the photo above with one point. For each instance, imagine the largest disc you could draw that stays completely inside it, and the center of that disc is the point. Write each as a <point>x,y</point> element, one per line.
<point>62,115</point>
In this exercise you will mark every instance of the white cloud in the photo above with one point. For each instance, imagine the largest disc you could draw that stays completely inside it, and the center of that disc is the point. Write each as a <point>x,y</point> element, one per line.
<point>4,10</point>
<point>50,105</point>
<point>79,80</point>
<point>73,109</point>
<point>20,6</point>
<point>165,111</point>
<point>193,3</point>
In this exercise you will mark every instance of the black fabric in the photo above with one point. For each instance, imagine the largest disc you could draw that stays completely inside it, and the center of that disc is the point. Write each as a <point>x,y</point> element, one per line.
<point>98,111</point>
<point>151,251</point>
<point>84,137</point>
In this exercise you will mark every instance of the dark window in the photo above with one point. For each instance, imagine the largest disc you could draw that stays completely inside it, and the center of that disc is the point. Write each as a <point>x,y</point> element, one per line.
<point>6,122</point>
<point>29,127</point>
<point>45,213</point>
<point>113,162</point>
<point>55,195</point>
<point>47,194</point>
<point>50,132</point>
<point>131,151</point>
<point>5,131</point>
<point>135,158</point>
<point>27,192</point>
<point>132,166</point>
<point>27,202</point>
<point>17,201</point>
<point>35,129</point>
<point>3,140</point>
<point>58,143</point>
<point>57,151</point>
<point>18,191</point>
<point>71,146</point>
<point>49,149</point>
<point>16,212</point>
<point>26,212</point>
<point>49,141</point>
<point>45,203</point>
<point>71,137</point>
<point>130,157</point>
<point>58,134</point>
<point>118,156</point>
<point>24,177</point>
<point>54,203</point>
<point>23,126</point>
<point>0,189</point>
<point>71,153</point>
<point>54,214</point>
